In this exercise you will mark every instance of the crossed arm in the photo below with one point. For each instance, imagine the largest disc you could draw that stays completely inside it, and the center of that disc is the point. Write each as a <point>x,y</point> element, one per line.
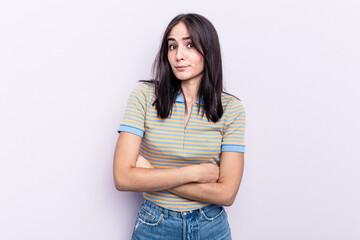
<point>202,182</point>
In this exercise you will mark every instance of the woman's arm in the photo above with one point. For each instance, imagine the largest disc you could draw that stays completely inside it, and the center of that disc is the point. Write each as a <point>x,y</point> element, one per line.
<point>127,177</point>
<point>222,192</point>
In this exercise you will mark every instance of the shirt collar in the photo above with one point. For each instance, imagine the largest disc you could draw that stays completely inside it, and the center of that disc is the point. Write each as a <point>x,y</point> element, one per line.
<point>180,99</point>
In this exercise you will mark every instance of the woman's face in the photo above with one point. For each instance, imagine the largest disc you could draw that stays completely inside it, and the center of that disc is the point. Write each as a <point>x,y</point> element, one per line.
<point>185,61</point>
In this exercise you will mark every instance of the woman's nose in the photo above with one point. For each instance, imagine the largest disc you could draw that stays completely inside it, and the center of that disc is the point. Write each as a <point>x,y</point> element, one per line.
<point>180,53</point>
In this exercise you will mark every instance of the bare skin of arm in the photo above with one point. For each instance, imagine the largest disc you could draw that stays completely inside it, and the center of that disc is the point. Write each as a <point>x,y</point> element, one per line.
<point>128,177</point>
<point>222,192</point>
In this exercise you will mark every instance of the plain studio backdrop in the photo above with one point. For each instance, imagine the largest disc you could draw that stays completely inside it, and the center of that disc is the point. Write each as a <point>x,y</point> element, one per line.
<point>67,68</point>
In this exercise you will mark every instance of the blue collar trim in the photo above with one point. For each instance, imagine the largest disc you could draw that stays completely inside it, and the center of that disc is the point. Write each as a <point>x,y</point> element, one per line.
<point>180,99</point>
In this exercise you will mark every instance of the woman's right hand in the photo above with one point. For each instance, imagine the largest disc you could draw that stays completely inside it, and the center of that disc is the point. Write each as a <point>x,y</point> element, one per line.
<point>206,172</point>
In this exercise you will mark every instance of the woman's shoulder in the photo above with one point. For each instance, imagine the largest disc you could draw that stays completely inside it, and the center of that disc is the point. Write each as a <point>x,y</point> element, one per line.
<point>229,99</point>
<point>148,84</point>
<point>232,105</point>
<point>145,85</point>
<point>145,88</point>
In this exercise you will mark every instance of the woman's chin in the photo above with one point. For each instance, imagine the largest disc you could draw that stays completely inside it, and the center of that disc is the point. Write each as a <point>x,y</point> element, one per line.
<point>183,78</point>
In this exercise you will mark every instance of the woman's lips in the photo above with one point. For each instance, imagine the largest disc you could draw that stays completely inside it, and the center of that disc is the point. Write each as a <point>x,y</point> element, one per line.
<point>180,68</point>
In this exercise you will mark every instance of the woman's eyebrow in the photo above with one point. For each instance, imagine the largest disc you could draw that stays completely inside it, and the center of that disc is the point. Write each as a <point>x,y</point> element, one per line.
<point>173,39</point>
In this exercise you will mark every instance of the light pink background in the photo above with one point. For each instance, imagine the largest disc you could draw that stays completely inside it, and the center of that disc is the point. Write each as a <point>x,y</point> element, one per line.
<point>67,68</point>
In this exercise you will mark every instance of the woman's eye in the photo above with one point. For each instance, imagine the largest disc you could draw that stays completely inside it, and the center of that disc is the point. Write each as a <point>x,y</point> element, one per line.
<point>190,45</point>
<point>172,47</point>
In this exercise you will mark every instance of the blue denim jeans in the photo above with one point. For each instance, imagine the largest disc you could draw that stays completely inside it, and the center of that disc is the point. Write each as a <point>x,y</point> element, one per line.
<point>154,222</point>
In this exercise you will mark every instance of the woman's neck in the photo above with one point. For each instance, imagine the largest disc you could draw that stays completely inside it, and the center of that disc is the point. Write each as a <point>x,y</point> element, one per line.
<point>190,90</point>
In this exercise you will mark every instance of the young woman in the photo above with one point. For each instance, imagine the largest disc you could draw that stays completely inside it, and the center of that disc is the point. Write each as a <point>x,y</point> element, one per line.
<point>182,139</point>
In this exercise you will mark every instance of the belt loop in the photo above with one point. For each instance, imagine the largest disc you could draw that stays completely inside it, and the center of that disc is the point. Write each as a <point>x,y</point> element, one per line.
<point>166,213</point>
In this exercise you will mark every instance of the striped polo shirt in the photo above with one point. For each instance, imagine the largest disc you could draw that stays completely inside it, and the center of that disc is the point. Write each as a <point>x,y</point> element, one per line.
<point>166,143</point>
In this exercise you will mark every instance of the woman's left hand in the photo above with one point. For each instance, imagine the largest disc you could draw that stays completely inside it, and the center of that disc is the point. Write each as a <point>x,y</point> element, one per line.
<point>141,162</point>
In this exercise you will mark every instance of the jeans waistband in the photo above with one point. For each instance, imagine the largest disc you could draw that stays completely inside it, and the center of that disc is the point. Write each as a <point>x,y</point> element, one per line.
<point>178,214</point>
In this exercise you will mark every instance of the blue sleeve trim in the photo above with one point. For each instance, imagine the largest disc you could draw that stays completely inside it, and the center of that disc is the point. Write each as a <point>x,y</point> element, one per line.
<point>232,148</point>
<point>131,129</point>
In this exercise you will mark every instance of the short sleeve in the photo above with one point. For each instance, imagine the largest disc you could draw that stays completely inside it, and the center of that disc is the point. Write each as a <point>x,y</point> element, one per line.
<point>233,137</point>
<point>134,119</point>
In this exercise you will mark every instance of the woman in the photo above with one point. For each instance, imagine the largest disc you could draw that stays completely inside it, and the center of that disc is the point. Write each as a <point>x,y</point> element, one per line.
<point>190,137</point>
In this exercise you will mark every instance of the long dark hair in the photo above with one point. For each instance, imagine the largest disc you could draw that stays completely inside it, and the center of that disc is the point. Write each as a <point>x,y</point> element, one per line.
<point>205,40</point>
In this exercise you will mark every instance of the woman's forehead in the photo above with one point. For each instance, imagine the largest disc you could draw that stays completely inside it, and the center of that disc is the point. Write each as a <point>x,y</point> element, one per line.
<point>179,31</point>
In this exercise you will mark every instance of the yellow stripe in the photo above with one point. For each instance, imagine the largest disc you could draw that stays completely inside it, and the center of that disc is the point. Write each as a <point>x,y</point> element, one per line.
<point>202,132</point>
<point>179,146</point>
<point>137,116</point>
<point>192,161</point>
<point>165,194</point>
<point>168,151</point>
<point>182,154</point>
<point>170,199</point>
<point>156,157</point>
<point>135,101</point>
<point>185,138</point>
<point>169,206</point>
<point>175,141</point>
<point>181,133</point>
